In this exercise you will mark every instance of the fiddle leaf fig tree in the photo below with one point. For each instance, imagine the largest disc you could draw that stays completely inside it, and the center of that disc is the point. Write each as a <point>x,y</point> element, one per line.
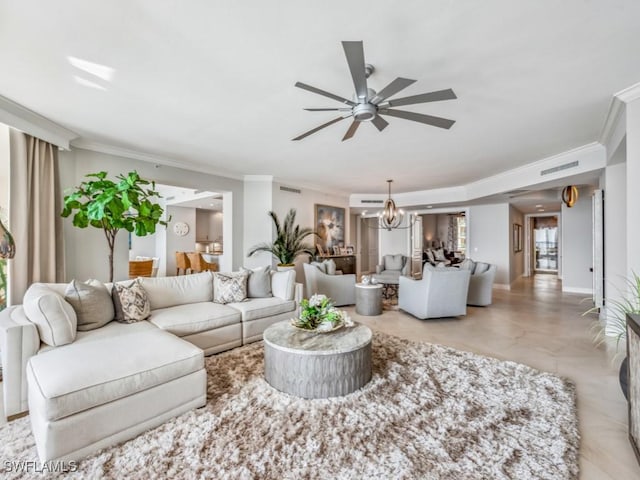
<point>125,204</point>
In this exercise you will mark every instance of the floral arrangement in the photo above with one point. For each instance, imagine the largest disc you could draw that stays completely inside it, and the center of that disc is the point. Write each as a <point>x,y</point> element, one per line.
<point>319,314</point>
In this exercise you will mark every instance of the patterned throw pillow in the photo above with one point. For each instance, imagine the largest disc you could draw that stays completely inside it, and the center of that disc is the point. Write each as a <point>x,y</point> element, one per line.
<point>130,302</point>
<point>229,287</point>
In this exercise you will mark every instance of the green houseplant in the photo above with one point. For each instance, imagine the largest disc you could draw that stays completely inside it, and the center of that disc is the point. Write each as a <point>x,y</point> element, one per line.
<point>111,206</point>
<point>289,241</point>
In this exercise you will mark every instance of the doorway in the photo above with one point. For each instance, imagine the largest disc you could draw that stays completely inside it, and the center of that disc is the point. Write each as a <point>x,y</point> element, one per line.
<point>545,244</point>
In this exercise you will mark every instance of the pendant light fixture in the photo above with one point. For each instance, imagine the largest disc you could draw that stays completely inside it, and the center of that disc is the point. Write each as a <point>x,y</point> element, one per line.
<point>7,245</point>
<point>391,217</point>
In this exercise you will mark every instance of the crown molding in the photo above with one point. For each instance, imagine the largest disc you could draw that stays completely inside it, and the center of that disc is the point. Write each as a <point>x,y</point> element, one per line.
<point>99,147</point>
<point>629,94</point>
<point>258,178</point>
<point>25,120</point>
<point>615,114</point>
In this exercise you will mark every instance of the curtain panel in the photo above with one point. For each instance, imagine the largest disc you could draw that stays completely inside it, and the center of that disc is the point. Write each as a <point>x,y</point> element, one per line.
<point>35,203</point>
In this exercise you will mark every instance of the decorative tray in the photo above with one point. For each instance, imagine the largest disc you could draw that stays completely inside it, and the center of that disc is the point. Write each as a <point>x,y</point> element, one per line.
<point>336,327</point>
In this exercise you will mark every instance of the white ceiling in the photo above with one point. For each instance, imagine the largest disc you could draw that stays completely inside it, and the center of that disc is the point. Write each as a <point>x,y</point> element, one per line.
<point>189,197</point>
<point>212,82</point>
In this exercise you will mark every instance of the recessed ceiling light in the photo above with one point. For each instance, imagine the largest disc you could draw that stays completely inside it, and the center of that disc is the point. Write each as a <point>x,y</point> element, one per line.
<point>541,209</point>
<point>538,206</point>
<point>429,206</point>
<point>211,204</point>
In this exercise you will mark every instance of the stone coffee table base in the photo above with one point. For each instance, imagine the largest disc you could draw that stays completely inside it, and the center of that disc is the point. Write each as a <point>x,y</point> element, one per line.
<point>317,365</point>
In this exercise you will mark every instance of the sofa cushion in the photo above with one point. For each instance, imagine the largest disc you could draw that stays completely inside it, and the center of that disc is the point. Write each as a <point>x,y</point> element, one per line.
<point>430,256</point>
<point>439,255</point>
<point>184,320</point>
<point>166,292</point>
<point>259,282</point>
<point>394,262</point>
<point>468,264</point>
<point>263,307</point>
<point>92,303</point>
<point>229,287</point>
<point>130,302</point>
<point>53,316</point>
<point>283,284</point>
<point>79,376</point>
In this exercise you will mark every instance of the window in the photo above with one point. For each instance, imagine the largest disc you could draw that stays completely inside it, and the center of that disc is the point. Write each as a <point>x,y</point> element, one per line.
<point>461,242</point>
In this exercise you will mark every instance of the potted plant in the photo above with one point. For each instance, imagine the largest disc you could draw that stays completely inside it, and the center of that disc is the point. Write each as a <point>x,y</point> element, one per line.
<point>289,241</point>
<point>617,310</point>
<point>112,206</point>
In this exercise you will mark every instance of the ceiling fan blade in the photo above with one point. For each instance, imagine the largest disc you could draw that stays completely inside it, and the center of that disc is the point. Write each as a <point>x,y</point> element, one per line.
<point>314,130</point>
<point>352,130</point>
<point>424,98</point>
<point>327,109</point>
<point>304,86</point>
<point>419,117</point>
<point>354,52</point>
<point>379,122</point>
<point>391,89</point>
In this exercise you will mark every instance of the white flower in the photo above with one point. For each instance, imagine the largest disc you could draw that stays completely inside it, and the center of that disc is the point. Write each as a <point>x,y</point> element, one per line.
<point>316,300</point>
<point>324,327</point>
<point>348,322</point>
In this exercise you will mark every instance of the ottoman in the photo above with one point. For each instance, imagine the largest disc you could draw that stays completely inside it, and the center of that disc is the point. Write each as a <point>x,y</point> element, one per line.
<point>98,392</point>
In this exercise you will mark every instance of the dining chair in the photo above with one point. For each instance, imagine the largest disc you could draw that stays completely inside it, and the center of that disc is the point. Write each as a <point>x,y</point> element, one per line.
<point>182,263</point>
<point>140,268</point>
<point>199,264</point>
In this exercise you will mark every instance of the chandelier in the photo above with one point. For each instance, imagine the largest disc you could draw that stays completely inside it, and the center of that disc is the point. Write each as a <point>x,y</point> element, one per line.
<point>391,217</point>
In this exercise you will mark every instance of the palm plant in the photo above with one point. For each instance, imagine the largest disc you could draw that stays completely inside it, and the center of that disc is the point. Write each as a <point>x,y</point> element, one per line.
<point>289,241</point>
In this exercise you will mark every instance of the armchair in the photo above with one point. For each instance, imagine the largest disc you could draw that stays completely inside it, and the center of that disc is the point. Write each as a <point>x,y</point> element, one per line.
<point>340,288</point>
<point>442,292</point>
<point>481,285</point>
<point>391,268</point>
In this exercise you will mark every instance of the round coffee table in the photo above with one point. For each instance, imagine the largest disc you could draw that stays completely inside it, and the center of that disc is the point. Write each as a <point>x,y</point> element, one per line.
<point>317,365</point>
<point>368,299</point>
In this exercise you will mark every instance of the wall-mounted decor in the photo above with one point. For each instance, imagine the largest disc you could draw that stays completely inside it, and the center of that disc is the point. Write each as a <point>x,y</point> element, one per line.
<point>517,238</point>
<point>570,195</point>
<point>329,225</point>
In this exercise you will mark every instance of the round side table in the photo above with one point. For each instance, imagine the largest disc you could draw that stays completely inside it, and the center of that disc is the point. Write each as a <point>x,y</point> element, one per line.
<point>368,299</point>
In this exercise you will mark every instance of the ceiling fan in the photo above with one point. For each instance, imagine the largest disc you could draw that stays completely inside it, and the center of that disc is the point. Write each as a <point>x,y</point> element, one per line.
<point>367,104</point>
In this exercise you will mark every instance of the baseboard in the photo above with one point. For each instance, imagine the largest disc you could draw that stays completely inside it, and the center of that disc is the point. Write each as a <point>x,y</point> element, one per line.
<point>583,291</point>
<point>502,286</point>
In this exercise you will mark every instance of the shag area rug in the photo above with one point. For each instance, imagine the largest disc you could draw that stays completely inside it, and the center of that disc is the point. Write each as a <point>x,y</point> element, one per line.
<point>429,412</point>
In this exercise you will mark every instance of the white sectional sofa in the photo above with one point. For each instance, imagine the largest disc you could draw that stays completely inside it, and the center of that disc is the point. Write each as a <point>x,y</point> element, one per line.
<point>109,384</point>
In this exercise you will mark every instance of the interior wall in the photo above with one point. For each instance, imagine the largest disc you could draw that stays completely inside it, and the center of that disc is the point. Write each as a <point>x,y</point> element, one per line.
<point>86,249</point>
<point>516,259</point>
<point>304,203</point>
<point>258,201</point>
<point>175,242</point>
<point>488,233</point>
<point>395,241</point>
<point>429,229</point>
<point>577,244</point>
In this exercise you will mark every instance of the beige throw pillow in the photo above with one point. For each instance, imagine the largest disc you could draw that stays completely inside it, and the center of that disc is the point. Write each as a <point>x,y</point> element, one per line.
<point>92,303</point>
<point>229,287</point>
<point>130,302</point>
<point>259,282</point>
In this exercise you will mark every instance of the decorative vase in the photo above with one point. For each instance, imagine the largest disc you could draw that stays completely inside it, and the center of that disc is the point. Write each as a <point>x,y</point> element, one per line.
<point>284,268</point>
<point>366,279</point>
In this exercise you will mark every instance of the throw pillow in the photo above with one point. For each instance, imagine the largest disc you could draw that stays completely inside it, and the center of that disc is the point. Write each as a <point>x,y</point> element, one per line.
<point>92,303</point>
<point>481,267</point>
<point>394,262</point>
<point>439,254</point>
<point>130,302</point>
<point>320,266</point>
<point>229,287</point>
<point>53,316</point>
<point>259,282</point>
<point>430,256</point>
<point>330,266</point>
<point>468,264</point>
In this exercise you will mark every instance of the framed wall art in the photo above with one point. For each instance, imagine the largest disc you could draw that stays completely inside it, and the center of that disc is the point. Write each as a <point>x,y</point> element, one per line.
<point>330,226</point>
<point>517,237</point>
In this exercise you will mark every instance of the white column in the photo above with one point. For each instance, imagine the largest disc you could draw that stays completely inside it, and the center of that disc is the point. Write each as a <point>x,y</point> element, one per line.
<point>258,226</point>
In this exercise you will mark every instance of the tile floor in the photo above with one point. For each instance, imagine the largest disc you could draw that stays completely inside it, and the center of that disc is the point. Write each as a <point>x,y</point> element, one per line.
<point>537,325</point>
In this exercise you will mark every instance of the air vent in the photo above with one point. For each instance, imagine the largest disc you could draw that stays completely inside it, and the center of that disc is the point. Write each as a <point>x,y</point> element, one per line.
<point>371,201</point>
<point>290,189</point>
<point>560,167</point>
